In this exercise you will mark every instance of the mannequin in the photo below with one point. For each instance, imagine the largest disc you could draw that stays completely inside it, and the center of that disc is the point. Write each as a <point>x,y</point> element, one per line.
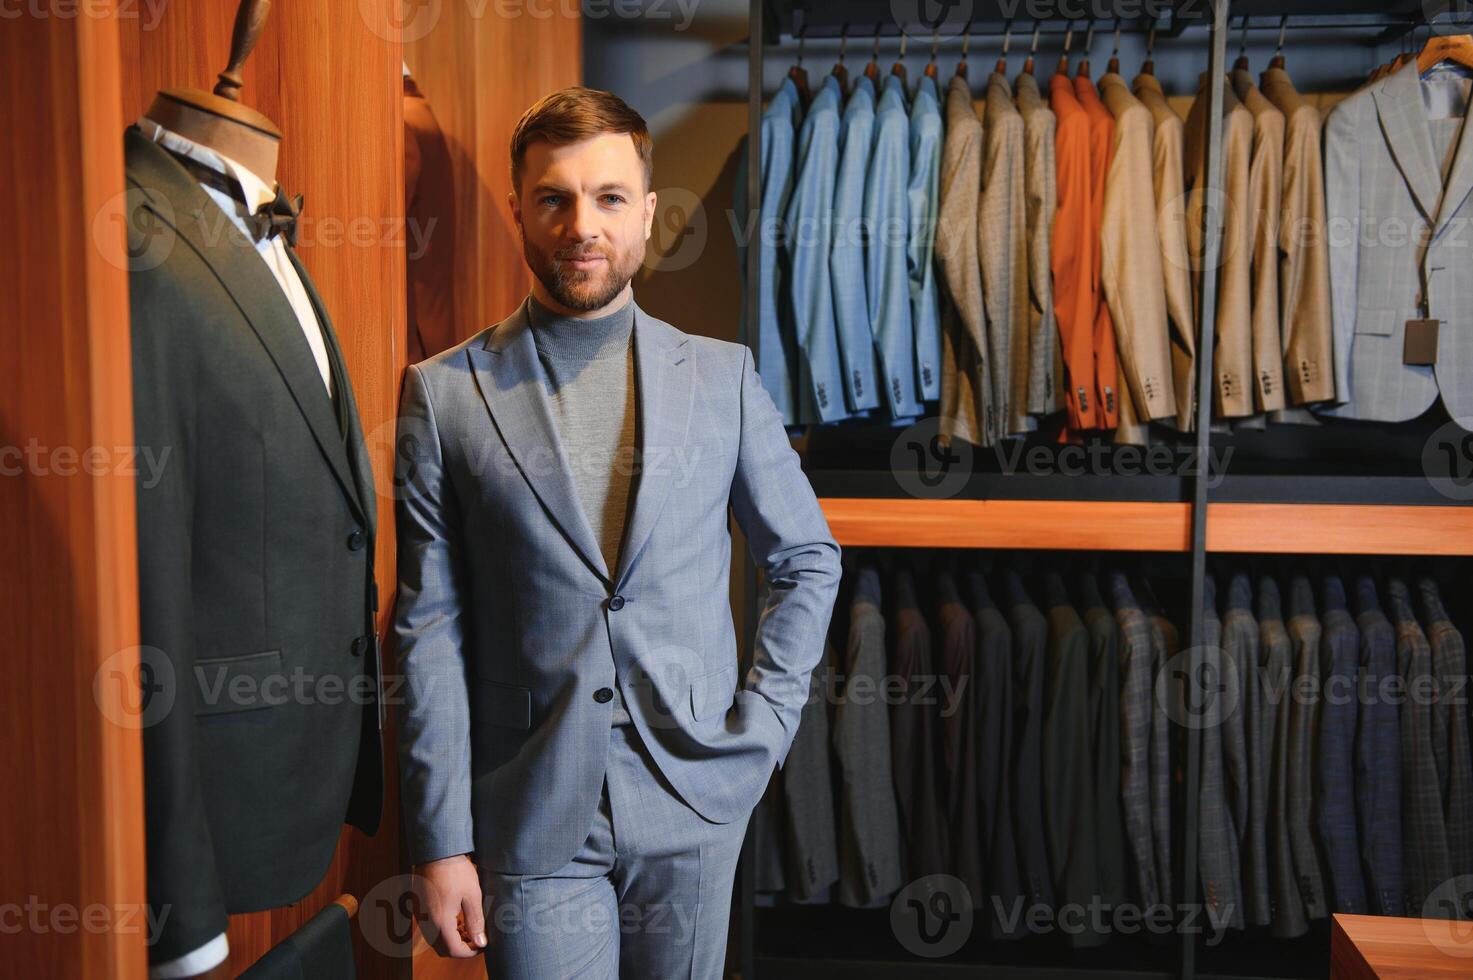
<point>256,545</point>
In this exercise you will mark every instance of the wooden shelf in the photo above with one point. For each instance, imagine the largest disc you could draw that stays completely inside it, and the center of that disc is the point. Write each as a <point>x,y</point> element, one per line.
<point>1083,525</point>
<point>1074,525</point>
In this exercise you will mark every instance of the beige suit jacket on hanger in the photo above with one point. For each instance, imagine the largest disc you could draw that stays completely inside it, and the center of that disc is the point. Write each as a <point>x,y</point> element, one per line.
<point>966,380</point>
<point>1002,242</point>
<point>1130,258</point>
<point>1171,231</point>
<point>1304,265</point>
<point>1046,367</point>
<point>1265,195</point>
<point>1233,355</point>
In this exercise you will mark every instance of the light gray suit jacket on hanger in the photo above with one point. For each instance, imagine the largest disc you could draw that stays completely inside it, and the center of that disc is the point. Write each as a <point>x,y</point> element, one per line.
<point>510,627</point>
<point>1386,199</point>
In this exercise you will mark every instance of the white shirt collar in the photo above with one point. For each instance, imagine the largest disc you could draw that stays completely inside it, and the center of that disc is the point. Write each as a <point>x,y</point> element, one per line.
<point>255,189</point>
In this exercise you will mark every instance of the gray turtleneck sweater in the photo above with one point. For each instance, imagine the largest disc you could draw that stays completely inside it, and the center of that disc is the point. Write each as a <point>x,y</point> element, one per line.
<point>590,384</point>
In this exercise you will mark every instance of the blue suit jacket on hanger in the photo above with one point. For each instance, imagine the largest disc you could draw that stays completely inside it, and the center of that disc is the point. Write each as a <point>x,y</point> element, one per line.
<point>772,341</point>
<point>887,274</point>
<point>847,258</point>
<point>809,222</point>
<point>922,191</point>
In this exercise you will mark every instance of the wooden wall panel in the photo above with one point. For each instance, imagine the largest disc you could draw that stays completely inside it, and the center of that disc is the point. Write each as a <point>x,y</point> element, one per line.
<point>72,825</point>
<point>480,70</point>
<point>329,76</point>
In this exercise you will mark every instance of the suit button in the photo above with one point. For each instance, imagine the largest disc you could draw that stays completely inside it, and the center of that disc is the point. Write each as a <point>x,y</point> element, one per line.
<point>360,645</point>
<point>603,695</point>
<point>356,540</point>
<point>616,603</point>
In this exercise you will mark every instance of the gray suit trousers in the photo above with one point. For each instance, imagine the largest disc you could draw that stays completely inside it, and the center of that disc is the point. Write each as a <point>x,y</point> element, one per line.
<point>647,895</point>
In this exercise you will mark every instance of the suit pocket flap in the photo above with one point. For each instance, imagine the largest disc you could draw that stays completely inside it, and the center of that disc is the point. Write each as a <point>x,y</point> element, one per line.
<point>1381,323</point>
<point>713,693</point>
<point>509,704</point>
<point>244,683</point>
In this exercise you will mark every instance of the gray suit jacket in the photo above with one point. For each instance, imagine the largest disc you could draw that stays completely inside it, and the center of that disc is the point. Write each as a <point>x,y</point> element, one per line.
<point>1426,858</point>
<point>1240,647</point>
<point>1334,784</point>
<point>1287,910</point>
<point>813,848</point>
<point>1217,834</point>
<point>1382,177</point>
<point>1137,687</point>
<point>870,861</point>
<point>1304,672</point>
<point>1378,757</point>
<point>1450,727</point>
<point>512,630</point>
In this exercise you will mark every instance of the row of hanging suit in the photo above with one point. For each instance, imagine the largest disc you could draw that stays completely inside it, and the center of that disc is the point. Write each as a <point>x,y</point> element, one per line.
<point>1023,730</point>
<point>1002,264</point>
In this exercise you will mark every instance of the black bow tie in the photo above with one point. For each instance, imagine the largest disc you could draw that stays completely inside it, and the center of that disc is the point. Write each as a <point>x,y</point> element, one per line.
<point>279,217</point>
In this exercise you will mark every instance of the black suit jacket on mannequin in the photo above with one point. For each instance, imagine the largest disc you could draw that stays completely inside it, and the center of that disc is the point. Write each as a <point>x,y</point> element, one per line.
<point>261,711</point>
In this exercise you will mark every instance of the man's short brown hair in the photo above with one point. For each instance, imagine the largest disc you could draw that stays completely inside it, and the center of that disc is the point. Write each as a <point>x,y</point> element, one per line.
<point>574,114</point>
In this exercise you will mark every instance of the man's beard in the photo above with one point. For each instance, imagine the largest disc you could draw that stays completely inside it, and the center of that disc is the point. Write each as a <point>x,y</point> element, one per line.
<point>581,289</point>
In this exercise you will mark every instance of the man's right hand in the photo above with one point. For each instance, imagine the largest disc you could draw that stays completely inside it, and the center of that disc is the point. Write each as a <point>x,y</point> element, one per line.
<point>448,890</point>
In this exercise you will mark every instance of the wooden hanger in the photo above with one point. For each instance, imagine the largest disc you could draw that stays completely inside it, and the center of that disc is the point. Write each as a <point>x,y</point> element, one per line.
<point>1242,63</point>
<point>935,43</point>
<point>961,66</point>
<point>1082,70</point>
<point>1032,50</point>
<point>898,69</point>
<point>217,120</point>
<point>1002,58</point>
<point>872,70</point>
<point>1113,67</point>
<point>1148,67</point>
<point>1277,61</point>
<point>840,72</point>
<point>798,73</point>
<point>1455,48</point>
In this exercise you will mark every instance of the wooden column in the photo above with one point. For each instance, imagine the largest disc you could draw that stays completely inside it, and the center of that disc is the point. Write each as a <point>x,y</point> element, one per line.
<point>71,830</point>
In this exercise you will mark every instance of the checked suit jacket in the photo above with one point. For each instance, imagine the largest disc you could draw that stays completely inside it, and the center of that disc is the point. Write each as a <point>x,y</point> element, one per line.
<point>510,627</point>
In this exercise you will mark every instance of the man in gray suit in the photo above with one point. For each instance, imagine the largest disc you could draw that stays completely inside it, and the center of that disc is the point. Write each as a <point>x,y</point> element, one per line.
<point>573,719</point>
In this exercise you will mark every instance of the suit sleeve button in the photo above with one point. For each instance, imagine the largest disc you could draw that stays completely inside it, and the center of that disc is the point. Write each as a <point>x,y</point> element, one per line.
<point>603,695</point>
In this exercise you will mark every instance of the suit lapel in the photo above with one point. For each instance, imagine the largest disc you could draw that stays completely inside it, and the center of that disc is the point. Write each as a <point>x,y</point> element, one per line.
<point>1459,178</point>
<point>1404,122</point>
<point>511,383</point>
<point>662,372</point>
<point>244,275</point>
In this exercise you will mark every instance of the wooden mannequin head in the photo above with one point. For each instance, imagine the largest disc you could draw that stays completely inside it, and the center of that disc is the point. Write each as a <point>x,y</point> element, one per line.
<point>218,120</point>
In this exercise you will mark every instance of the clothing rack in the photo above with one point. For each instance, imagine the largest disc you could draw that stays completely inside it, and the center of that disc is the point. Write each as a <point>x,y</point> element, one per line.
<point>1286,514</point>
